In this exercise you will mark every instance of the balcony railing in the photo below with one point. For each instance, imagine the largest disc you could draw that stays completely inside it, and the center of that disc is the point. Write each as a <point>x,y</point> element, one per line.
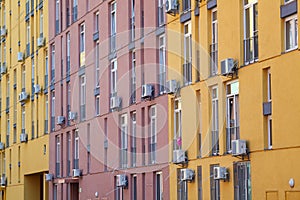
<point>215,143</point>
<point>232,133</point>
<point>250,50</point>
<point>213,59</point>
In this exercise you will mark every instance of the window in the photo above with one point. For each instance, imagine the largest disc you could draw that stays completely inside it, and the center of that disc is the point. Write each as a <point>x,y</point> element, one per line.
<point>46,113</point>
<point>68,68</point>
<point>52,64</point>
<point>68,21</point>
<point>287,1</point>
<point>198,95</point>
<point>232,114</point>
<point>270,139</point>
<point>32,75</point>
<point>133,77</point>
<point>153,136</point>
<point>291,33</point>
<point>118,192</point>
<point>68,85</point>
<point>82,98</point>
<point>215,122</point>
<point>187,66</point>
<point>182,187</point>
<point>23,119</point>
<point>7,130</point>
<point>97,105</point>
<point>159,186</point>
<point>268,117</point>
<point>177,142</point>
<point>23,77</point>
<point>7,92</point>
<point>162,64</point>
<point>186,5</point>
<point>28,39</point>
<point>250,31</point>
<point>57,157</point>
<point>41,23</point>
<point>75,10</point>
<point>242,181</point>
<point>69,142</point>
<point>133,139</point>
<point>97,65</point>
<point>76,150</point>
<point>199,180</point>
<point>46,70</point>
<point>161,13</point>
<point>124,141</point>
<point>96,22</point>
<point>113,26</point>
<point>134,187</point>
<point>52,110</point>
<point>113,76</point>
<point>214,185</point>
<point>82,45</point>
<point>55,192</point>
<point>57,16</point>
<point>214,44</point>
<point>132,21</point>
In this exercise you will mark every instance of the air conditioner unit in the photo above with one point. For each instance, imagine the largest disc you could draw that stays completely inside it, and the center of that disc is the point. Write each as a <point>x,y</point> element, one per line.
<point>76,173</point>
<point>23,137</point>
<point>40,42</point>
<point>187,174</point>
<point>147,90</point>
<point>171,86</point>
<point>2,146</point>
<point>3,68</point>
<point>115,102</point>
<point>121,180</point>
<point>3,31</point>
<point>37,88</point>
<point>3,181</point>
<point>23,96</point>
<point>20,57</point>
<point>72,116</point>
<point>220,173</point>
<point>49,177</point>
<point>179,156</point>
<point>60,120</point>
<point>227,66</point>
<point>239,147</point>
<point>171,6</point>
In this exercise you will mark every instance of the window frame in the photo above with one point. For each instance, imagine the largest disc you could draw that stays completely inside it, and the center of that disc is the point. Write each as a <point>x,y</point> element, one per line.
<point>162,63</point>
<point>215,121</point>
<point>188,53</point>
<point>294,31</point>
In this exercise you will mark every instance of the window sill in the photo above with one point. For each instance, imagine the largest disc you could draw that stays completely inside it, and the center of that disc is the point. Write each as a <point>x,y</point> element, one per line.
<point>289,50</point>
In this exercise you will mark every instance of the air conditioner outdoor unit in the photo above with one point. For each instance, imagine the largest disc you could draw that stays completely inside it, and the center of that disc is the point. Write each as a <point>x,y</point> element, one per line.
<point>40,42</point>
<point>171,6</point>
<point>72,116</point>
<point>23,137</point>
<point>3,181</point>
<point>227,66</point>
<point>3,68</point>
<point>49,177</point>
<point>3,31</point>
<point>121,180</point>
<point>76,173</point>
<point>115,102</point>
<point>60,120</point>
<point>23,96</point>
<point>37,88</point>
<point>2,146</point>
<point>187,174</point>
<point>171,86</point>
<point>239,147</point>
<point>147,90</point>
<point>220,173</point>
<point>20,56</point>
<point>179,156</point>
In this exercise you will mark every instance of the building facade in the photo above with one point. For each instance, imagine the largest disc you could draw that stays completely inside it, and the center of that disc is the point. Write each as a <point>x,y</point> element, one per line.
<point>237,65</point>
<point>24,133</point>
<point>108,106</point>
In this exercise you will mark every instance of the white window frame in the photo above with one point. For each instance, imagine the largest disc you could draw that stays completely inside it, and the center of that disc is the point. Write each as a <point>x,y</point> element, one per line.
<point>82,37</point>
<point>161,13</point>
<point>96,23</point>
<point>41,22</point>
<point>215,119</point>
<point>124,140</point>
<point>132,20</point>
<point>294,32</point>
<point>159,183</point>
<point>97,105</point>
<point>113,74</point>
<point>28,33</point>
<point>269,85</point>
<point>76,145</point>
<point>53,104</point>
<point>162,63</point>
<point>270,131</point>
<point>153,133</point>
<point>68,52</point>
<point>82,97</point>
<point>214,43</point>
<point>187,48</point>
<point>288,1</point>
<point>58,152</point>
<point>133,140</point>
<point>52,63</point>
<point>113,18</point>
<point>97,65</point>
<point>177,131</point>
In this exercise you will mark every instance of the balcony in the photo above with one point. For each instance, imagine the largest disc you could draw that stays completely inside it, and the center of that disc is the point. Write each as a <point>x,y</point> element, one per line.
<point>213,59</point>
<point>251,50</point>
<point>232,133</point>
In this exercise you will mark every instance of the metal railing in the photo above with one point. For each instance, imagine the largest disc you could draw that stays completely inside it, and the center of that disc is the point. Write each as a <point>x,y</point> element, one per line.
<point>251,49</point>
<point>213,59</point>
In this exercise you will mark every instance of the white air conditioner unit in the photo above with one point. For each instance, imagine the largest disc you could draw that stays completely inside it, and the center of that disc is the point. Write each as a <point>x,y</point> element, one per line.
<point>3,68</point>
<point>37,88</point>
<point>179,156</point>
<point>239,147</point>
<point>40,42</point>
<point>171,86</point>
<point>49,177</point>
<point>3,181</point>
<point>60,120</point>
<point>76,173</point>
<point>23,137</point>
<point>121,180</point>
<point>220,173</point>
<point>3,31</point>
<point>171,6</point>
<point>2,146</point>
<point>227,66</point>
<point>23,96</point>
<point>20,57</point>
<point>115,102</point>
<point>72,116</point>
<point>187,174</point>
<point>147,90</point>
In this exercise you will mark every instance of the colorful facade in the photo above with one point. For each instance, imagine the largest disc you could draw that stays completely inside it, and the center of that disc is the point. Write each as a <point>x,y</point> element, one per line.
<point>24,135</point>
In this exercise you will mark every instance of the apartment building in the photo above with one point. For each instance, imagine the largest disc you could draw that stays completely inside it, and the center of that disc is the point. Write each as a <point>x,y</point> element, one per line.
<point>234,118</point>
<point>24,134</point>
<point>108,103</point>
